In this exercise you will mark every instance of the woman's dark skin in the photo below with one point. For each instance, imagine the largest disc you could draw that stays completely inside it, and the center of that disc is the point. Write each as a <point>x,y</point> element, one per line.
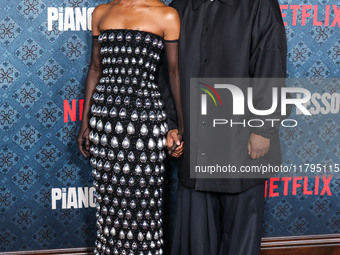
<point>146,15</point>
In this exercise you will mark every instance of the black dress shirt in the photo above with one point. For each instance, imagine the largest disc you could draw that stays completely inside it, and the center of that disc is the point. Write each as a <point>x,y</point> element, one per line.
<point>233,39</point>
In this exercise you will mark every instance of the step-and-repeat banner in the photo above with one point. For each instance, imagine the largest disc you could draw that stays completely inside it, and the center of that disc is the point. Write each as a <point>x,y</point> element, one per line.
<point>46,193</point>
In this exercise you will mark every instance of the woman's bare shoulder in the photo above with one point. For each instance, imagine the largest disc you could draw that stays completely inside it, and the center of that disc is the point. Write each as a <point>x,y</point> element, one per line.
<point>169,14</point>
<point>168,20</point>
<point>100,8</point>
<point>165,12</point>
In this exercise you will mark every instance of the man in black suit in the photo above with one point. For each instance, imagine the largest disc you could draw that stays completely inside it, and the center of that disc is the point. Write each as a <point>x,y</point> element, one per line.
<point>232,39</point>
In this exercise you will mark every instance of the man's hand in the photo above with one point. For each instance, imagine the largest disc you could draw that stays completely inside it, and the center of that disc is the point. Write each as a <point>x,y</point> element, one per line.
<point>171,138</point>
<point>258,146</point>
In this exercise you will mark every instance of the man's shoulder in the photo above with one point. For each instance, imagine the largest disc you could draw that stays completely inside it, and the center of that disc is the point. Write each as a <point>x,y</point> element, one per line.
<point>264,9</point>
<point>268,5</point>
<point>179,4</point>
<point>258,4</point>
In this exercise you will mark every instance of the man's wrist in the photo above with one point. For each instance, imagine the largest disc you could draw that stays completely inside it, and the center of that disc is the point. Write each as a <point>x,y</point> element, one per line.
<point>173,129</point>
<point>265,135</point>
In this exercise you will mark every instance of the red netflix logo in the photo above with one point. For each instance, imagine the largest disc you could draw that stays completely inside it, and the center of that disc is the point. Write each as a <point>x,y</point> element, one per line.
<point>312,12</point>
<point>71,110</point>
<point>299,182</point>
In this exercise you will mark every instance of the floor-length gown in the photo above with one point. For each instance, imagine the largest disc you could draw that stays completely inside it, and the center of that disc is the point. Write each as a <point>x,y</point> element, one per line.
<point>127,142</point>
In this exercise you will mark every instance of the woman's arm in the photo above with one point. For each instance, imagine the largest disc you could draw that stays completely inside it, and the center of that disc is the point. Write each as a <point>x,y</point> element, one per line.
<point>93,76</point>
<point>171,36</point>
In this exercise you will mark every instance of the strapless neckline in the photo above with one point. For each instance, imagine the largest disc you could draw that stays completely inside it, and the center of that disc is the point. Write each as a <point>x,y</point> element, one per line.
<point>131,30</point>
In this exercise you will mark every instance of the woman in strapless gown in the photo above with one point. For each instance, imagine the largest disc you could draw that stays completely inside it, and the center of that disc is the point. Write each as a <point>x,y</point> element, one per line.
<point>123,133</point>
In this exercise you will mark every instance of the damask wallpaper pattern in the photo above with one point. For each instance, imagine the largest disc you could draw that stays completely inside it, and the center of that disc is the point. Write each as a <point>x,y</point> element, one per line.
<point>42,72</point>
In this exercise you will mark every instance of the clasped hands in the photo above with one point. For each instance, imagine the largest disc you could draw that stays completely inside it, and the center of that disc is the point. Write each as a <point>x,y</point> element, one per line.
<point>258,145</point>
<point>173,137</point>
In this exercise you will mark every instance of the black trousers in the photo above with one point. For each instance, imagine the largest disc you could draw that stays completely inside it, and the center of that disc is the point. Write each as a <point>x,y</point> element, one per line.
<point>209,223</point>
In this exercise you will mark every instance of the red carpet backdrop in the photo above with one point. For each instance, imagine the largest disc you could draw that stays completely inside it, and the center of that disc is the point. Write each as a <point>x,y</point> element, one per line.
<point>46,194</point>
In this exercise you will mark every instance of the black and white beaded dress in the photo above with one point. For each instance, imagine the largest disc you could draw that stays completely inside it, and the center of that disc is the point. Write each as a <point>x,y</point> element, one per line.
<point>127,142</point>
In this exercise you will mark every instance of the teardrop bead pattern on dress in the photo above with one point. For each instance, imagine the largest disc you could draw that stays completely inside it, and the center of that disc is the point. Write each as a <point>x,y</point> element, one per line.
<point>127,128</point>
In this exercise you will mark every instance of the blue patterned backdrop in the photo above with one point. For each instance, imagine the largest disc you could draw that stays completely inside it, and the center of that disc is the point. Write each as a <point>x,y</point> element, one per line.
<point>42,71</point>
